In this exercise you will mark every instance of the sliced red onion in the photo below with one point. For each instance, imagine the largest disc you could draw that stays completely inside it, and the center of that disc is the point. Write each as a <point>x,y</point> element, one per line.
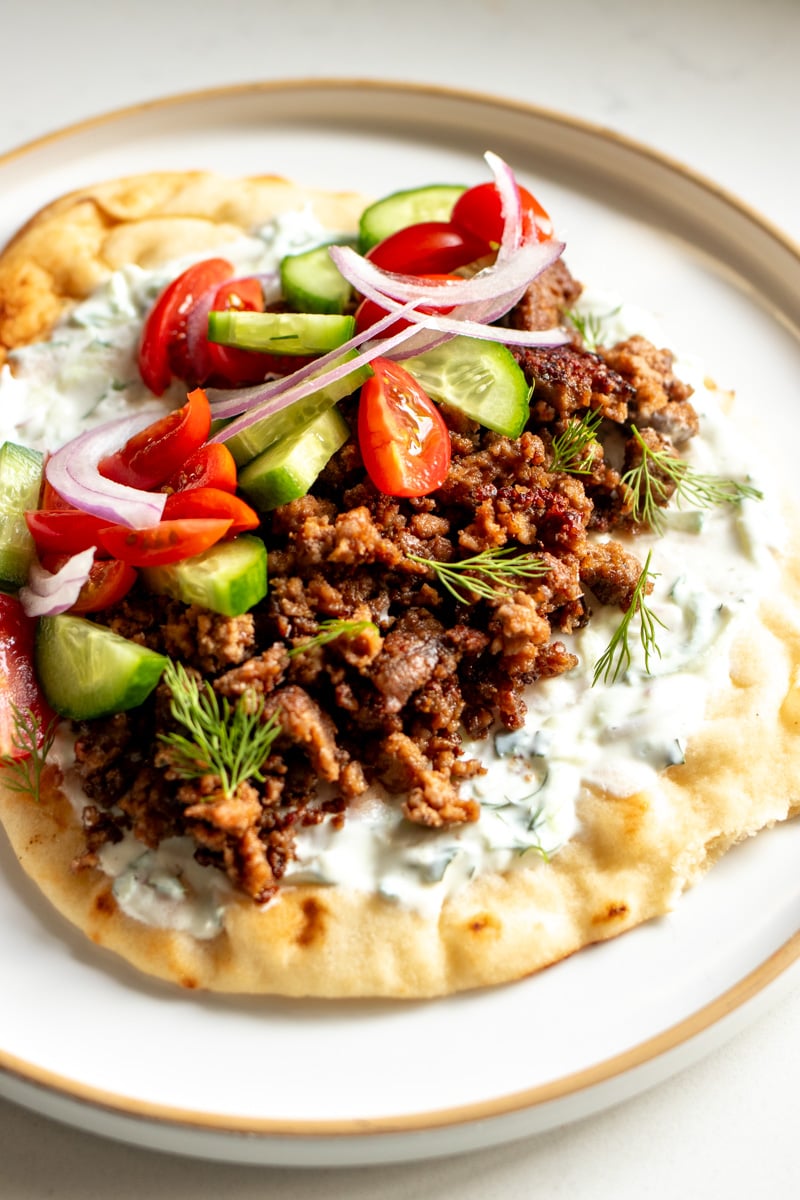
<point>229,402</point>
<point>490,333</point>
<point>73,472</point>
<point>510,206</point>
<point>299,391</point>
<point>48,593</point>
<point>502,280</point>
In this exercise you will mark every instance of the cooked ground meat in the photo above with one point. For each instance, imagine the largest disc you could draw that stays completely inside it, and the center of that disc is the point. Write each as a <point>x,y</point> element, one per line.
<point>388,702</point>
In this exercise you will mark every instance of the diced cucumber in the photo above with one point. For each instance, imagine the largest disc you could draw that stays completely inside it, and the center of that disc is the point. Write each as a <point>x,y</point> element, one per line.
<point>386,216</point>
<point>287,470</point>
<point>480,378</point>
<point>251,442</point>
<point>229,578</point>
<point>87,671</point>
<point>311,283</point>
<point>20,485</point>
<point>281,332</point>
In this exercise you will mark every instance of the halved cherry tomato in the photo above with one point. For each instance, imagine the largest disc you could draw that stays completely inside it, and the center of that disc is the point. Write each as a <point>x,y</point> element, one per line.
<point>369,311</point>
<point>404,441</point>
<point>211,502</point>
<point>64,530</point>
<point>429,247</point>
<point>152,456</point>
<point>478,214</point>
<point>210,465</point>
<point>163,344</point>
<point>109,582</point>
<point>18,685</point>
<point>169,541</point>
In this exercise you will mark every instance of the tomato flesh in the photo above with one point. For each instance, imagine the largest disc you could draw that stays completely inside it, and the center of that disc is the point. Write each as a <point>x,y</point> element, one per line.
<point>211,502</point>
<point>18,684</point>
<point>109,582</point>
<point>429,247</point>
<point>210,465</point>
<point>162,349</point>
<point>64,530</point>
<point>478,212</point>
<point>404,442</point>
<point>167,542</point>
<point>149,458</point>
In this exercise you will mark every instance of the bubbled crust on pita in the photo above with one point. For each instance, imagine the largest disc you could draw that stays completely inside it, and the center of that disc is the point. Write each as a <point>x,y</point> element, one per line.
<point>73,244</point>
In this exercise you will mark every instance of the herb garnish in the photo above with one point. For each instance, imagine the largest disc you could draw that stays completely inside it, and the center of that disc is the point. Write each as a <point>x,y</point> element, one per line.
<point>34,741</point>
<point>590,326</point>
<point>658,473</point>
<point>569,448</point>
<point>330,630</point>
<point>485,574</point>
<point>617,656</point>
<point>230,742</point>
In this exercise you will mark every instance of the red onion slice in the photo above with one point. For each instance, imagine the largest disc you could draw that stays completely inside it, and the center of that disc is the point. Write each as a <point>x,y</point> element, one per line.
<point>73,472</point>
<point>490,333</point>
<point>510,206</point>
<point>299,391</point>
<point>229,402</point>
<point>48,593</point>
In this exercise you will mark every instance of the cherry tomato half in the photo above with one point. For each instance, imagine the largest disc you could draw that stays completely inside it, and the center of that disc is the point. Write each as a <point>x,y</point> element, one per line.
<point>404,441</point>
<point>167,542</point>
<point>429,247</point>
<point>210,465</point>
<point>109,582</point>
<point>227,366</point>
<point>478,213</point>
<point>163,342</point>
<point>18,685</point>
<point>369,311</point>
<point>152,456</point>
<point>211,502</point>
<point>64,530</point>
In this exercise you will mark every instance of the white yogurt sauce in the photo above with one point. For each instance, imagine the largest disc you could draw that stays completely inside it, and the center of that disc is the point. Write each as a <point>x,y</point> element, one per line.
<point>710,569</point>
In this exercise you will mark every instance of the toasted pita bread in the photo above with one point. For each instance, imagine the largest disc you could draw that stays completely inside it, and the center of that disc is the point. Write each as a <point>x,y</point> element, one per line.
<point>632,857</point>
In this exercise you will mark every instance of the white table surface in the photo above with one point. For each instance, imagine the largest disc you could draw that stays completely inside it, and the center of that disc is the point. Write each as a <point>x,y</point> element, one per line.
<point>714,85</point>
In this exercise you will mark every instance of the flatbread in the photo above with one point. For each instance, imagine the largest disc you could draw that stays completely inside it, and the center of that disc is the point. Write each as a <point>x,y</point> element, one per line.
<point>632,857</point>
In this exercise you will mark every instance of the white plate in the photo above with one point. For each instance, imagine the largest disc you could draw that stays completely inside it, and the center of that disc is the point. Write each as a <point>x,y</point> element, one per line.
<point>84,1039</point>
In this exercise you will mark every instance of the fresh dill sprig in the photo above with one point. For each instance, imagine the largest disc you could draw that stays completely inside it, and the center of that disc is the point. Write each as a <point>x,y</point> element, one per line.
<point>231,742</point>
<point>590,326</point>
<point>659,475</point>
<point>617,657</point>
<point>570,447</point>
<point>33,741</point>
<point>330,630</point>
<point>486,574</point>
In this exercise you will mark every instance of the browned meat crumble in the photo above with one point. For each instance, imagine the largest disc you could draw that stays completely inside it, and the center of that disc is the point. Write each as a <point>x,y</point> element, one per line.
<point>391,704</point>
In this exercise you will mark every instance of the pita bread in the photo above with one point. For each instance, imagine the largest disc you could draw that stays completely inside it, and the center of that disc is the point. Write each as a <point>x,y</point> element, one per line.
<point>632,857</point>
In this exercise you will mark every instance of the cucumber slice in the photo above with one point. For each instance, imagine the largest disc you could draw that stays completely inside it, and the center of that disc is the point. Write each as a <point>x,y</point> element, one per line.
<point>311,283</point>
<point>479,378</point>
<point>386,216</point>
<point>281,333</point>
<point>229,578</point>
<point>87,671</point>
<point>260,436</point>
<point>20,485</point>
<point>287,470</point>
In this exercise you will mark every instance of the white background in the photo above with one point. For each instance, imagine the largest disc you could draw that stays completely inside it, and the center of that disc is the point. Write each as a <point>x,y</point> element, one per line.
<point>712,84</point>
